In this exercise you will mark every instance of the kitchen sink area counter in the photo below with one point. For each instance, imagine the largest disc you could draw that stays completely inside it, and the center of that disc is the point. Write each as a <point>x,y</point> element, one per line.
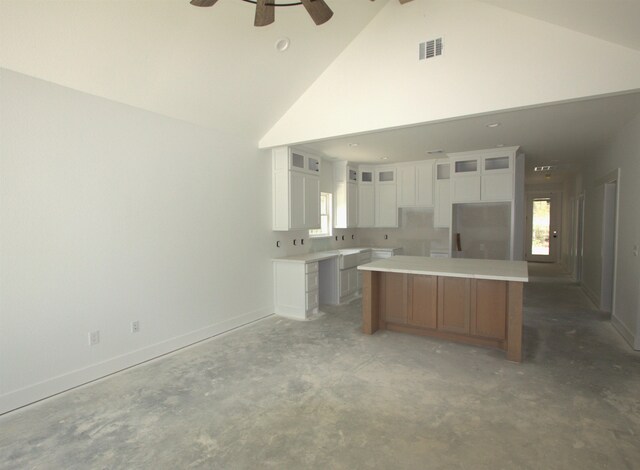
<point>303,282</point>
<point>464,300</point>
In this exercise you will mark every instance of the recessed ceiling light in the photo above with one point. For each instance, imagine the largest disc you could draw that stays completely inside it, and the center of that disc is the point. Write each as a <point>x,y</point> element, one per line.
<point>353,144</point>
<point>282,44</point>
<point>500,146</point>
<point>431,152</point>
<point>384,158</point>
<point>493,124</point>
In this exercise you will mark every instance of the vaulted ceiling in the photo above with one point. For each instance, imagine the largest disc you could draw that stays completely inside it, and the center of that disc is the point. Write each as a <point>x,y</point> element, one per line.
<point>212,67</point>
<point>209,66</point>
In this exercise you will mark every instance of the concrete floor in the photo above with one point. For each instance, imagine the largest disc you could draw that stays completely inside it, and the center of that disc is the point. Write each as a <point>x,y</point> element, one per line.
<point>303,395</point>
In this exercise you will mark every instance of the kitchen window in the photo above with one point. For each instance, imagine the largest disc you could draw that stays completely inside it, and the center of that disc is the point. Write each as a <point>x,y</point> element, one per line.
<point>326,224</point>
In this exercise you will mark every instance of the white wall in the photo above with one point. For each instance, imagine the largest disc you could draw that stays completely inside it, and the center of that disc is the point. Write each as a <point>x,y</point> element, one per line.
<point>622,152</point>
<point>493,60</point>
<point>111,214</point>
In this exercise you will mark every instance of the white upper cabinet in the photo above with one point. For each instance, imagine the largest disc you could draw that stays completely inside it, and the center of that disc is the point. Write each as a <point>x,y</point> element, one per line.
<point>386,197</point>
<point>296,190</point>
<point>415,184</point>
<point>366,197</point>
<point>483,176</point>
<point>497,178</point>
<point>442,190</point>
<point>345,195</point>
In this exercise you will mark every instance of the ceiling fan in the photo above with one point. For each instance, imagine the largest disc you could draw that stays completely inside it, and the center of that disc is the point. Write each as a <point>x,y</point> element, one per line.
<point>265,9</point>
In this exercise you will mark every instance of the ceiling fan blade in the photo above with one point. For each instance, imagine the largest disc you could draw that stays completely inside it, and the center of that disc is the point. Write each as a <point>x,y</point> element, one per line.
<point>265,14</point>
<point>203,3</point>
<point>318,10</point>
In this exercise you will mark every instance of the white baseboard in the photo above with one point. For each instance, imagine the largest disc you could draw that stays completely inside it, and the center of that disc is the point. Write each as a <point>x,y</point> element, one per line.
<point>624,331</point>
<point>62,383</point>
<point>595,298</point>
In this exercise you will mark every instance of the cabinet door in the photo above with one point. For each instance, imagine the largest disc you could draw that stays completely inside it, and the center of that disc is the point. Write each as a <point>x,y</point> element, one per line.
<point>344,282</point>
<point>442,211</point>
<point>352,205</point>
<point>424,184</point>
<point>386,205</point>
<point>497,187</point>
<point>407,186</point>
<point>453,304</point>
<point>312,202</point>
<point>296,200</point>
<point>489,308</point>
<point>353,279</point>
<point>393,297</point>
<point>423,301</point>
<point>366,206</point>
<point>465,189</point>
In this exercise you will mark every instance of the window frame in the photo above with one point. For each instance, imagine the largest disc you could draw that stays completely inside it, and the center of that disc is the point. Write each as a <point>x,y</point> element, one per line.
<point>326,211</point>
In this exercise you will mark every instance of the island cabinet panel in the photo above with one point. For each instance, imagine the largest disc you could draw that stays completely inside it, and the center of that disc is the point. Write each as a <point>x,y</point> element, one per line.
<point>393,298</point>
<point>453,304</point>
<point>489,308</point>
<point>423,301</point>
<point>477,302</point>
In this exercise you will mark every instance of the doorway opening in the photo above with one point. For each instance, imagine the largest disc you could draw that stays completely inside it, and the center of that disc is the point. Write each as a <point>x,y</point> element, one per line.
<point>543,227</point>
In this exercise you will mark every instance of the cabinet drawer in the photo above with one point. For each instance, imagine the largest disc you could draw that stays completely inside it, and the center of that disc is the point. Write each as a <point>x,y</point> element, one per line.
<point>311,268</point>
<point>312,281</point>
<point>312,300</point>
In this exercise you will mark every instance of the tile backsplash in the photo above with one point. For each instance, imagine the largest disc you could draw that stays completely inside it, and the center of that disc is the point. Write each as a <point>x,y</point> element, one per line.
<point>415,234</point>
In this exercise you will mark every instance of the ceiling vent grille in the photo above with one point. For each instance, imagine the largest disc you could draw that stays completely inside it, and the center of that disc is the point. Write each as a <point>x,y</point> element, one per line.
<point>430,49</point>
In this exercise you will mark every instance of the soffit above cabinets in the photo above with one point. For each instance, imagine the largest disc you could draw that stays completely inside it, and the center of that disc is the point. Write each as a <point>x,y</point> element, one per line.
<point>564,134</point>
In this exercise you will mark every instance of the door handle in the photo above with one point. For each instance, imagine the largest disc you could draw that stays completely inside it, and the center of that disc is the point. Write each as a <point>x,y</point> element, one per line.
<point>555,234</point>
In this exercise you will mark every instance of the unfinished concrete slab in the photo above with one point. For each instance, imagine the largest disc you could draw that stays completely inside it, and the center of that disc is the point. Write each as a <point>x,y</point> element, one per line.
<point>320,394</point>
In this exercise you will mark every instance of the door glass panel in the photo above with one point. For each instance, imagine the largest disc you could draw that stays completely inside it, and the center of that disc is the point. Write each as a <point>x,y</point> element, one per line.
<point>541,219</point>
<point>466,166</point>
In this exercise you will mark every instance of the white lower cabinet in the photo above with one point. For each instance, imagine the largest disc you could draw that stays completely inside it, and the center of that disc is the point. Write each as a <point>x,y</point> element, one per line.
<point>348,282</point>
<point>296,286</point>
<point>350,277</point>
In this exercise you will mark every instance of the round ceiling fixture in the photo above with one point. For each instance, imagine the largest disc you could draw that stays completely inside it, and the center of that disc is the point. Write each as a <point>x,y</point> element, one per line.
<point>493,124</point>
<point>282,44</point>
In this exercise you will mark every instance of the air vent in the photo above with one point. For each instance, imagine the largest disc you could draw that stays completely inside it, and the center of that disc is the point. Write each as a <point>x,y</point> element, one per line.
<point>430,49</point>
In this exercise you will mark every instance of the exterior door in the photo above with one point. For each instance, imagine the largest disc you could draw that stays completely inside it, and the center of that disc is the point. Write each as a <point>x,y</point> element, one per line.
<point>543,227</point>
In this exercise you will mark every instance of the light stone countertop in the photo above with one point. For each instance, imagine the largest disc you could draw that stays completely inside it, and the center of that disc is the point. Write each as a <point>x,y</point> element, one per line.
<point>322,255</point>
<point>452,267</point>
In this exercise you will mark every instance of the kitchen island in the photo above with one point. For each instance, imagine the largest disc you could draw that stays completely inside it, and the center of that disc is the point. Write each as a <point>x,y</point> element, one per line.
<point>465,300</point>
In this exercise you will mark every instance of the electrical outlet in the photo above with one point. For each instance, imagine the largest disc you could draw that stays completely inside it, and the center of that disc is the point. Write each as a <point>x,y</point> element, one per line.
<point>135,326</point>
<point>94,337</point>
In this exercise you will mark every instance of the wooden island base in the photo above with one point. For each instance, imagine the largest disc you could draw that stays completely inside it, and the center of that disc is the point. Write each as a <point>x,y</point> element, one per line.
<point>482,312</point>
